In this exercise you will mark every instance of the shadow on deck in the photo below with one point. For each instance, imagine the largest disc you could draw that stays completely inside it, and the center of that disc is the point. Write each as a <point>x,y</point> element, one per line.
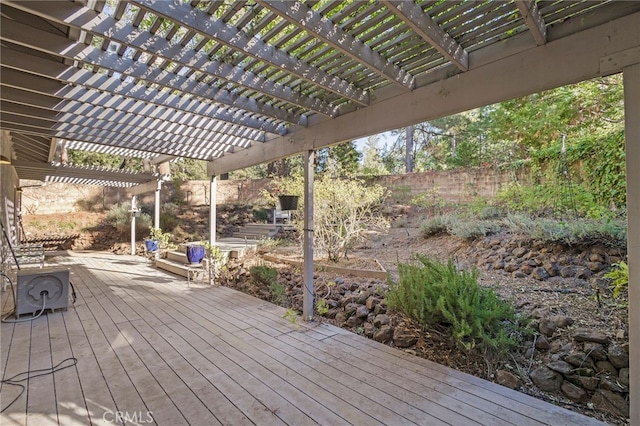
<point>150,349</point>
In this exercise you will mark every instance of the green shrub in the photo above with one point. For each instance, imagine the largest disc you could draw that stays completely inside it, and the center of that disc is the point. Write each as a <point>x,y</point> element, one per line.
<point>438,225</point>
<point>263,274</point>
<point>119,216</point>
<point>619,277</point>
<point>434,293</point>
<point>472,229</point>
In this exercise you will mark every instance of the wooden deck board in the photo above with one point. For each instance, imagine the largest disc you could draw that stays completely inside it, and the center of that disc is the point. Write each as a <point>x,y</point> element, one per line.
<point>148,344</point>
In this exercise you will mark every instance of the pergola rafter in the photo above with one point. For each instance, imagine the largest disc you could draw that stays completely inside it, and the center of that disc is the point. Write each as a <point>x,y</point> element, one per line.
<point>324,29</point>
<point>430,31</point>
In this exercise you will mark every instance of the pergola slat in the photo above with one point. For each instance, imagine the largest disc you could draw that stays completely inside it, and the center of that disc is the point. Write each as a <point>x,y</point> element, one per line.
<point>428,29</point>
<point>322,28</point>
<point>529,11</point>
<point>231,37</point>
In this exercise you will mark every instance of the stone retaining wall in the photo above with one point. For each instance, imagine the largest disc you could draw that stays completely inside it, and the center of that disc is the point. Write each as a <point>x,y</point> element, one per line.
<point>454,186</point>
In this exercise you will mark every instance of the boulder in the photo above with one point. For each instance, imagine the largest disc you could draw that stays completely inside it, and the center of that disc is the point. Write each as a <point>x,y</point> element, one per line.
<point>618,356</point>
<point>546,379</point>
<point>561,367</point>
<point>511,266</point>
<point>583,273</point>
<point>507,379</point>
<point>547,326</point>
<point>499,264</point>
<point>369,329</point>
<point>372,302</point>
<point>612,384</point>
<point>362,311</point>
<point>526,269</point>
<point>606,367</point>
<point>589,383</point>
<point>540,274</point>
<point>567,271</point>
<point>579,359</point>
<point>354,321</point>
<point>584,334</point>
<point>573,392</point>
<point>404,338</point>
<point>519,251</point>
<point>542,343</point>
<point>595,351</point>
<point>384,334</point>
<point>519,274</point>
<point>595,266</point>
<point>381,320</point>
<point>611,401</point>
<point>562,321</point>
<point>552,269</point>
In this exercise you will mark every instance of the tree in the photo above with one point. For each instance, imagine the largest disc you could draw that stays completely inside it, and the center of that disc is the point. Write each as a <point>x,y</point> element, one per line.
<point>372,164</point>
<point>340,160</point>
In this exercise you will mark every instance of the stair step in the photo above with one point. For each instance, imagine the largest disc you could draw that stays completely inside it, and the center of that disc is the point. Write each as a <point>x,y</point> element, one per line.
<point>177,268</point>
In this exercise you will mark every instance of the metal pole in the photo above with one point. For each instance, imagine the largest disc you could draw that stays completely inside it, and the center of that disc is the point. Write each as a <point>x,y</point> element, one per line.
<point>309,169</point>
<point>213,187</point>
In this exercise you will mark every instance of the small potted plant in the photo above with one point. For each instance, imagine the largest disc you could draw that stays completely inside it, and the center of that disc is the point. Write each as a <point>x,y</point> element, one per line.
<point>157,240</point>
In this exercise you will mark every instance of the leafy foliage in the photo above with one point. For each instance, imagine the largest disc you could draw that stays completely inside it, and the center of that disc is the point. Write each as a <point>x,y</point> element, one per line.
<point>619,277</point>
<point>119,216</point>
<point>434,294</point>
<point>345,210</point>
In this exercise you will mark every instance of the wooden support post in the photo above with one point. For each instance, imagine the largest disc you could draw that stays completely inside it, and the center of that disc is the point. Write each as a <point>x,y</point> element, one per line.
<point>156,218</point>
<point>632,140</point>
<point>213,188</point>
<point>309,169</point>
<point>133,224</point>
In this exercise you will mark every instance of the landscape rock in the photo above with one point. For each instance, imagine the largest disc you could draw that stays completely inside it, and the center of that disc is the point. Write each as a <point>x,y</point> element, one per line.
<point>595,351</point>
<point>519,274</point>
<point>546,379</point>
<point>606,367</point>
<point>372,302</point>
<point>612,384</point>
<point>384,334</point>
<point>354,321</point>
<point>519,251</point>
<point>547,326</point>
<point>381,320</point>
<point>542,343</point>
<point>369,329</point>
<point>562,321</point>
<point>590,335</point>
<point>595,266</point>
<point>578,359</point>
<point>505,378</point>
<point>540,274</point>
<point>567,271</point>
<point>511,267</point>
<point>573,392</point>
<point>404,338</point>
<point>583,273</point>
<point>618,356</point>
<point>552,269</point>
<point>499,264</point>
<point>561,367</point>
<point>611,401</point>
<point>589,383</point>
<point>362,311</point>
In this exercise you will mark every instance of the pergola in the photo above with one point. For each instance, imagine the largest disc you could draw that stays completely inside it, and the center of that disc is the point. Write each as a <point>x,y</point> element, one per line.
<point>239,83</point>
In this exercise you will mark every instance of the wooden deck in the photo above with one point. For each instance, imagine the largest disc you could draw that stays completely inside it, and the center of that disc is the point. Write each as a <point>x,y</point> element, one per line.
<point>152,350</point>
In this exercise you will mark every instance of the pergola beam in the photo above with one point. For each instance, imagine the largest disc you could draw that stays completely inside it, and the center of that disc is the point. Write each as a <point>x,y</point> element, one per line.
<point>534,20</point>
<point>430,31</point>
<point>233,38</point>
<point>323,28</point>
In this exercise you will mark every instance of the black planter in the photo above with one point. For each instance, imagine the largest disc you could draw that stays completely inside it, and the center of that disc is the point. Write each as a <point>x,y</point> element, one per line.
<point>288,202</point>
